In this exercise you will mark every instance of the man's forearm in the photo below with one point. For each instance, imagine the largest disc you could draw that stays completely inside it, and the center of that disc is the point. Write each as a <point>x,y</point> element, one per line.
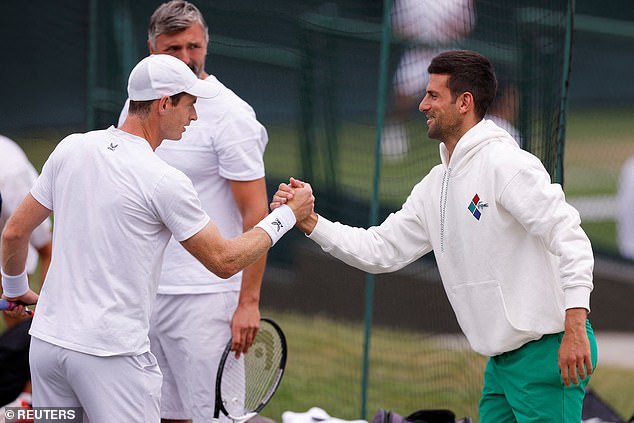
<point>14,252</point>
<point>252,282</point>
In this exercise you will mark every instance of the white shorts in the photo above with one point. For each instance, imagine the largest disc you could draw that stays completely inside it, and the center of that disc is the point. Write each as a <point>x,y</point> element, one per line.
<point>109,389</point>
<point>188,334</point>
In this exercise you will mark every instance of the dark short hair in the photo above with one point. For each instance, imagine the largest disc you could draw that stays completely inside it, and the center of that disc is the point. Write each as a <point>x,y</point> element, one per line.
<point>142,108</point>
<point>468,71</point>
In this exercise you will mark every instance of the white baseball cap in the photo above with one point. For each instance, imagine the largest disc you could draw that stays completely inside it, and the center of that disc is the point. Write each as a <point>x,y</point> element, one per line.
<point>160,75</point>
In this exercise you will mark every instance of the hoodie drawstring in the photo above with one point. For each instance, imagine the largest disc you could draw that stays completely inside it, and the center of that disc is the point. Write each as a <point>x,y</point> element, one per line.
<point>443,206</point>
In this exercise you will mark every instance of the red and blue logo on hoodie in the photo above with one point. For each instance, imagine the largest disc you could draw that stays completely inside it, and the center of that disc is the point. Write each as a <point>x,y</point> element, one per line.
<point>476,205</point>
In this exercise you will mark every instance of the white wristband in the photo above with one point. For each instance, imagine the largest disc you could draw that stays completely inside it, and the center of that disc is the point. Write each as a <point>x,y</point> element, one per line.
<point>15,286</point>
<point>278,222</point>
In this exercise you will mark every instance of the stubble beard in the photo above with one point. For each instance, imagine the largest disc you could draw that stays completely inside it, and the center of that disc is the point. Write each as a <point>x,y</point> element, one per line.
<point>442,132</point>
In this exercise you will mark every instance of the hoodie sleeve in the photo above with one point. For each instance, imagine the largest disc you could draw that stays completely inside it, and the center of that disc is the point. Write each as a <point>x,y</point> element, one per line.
<point>401,239</point>
<point>540,207</point>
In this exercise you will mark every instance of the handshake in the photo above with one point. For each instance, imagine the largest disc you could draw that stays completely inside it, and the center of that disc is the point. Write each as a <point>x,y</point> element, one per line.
<point>298,197</point>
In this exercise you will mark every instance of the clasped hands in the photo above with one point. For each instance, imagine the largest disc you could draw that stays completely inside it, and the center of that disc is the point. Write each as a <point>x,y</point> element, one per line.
<point>298,195</point>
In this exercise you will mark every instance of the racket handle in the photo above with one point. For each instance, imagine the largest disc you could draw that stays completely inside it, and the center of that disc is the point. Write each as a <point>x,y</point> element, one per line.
<point>10,305</point>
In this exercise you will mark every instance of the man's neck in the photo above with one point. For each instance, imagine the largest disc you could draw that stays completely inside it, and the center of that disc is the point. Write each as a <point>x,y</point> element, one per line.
<point>141,128</point>
<point>452,141</point>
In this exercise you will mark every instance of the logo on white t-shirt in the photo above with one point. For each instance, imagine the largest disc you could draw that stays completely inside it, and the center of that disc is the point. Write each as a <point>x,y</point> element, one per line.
<point>112,146</point>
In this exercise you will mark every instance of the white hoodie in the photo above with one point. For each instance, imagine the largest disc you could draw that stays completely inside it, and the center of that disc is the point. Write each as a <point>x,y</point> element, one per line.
<point>510,250</point>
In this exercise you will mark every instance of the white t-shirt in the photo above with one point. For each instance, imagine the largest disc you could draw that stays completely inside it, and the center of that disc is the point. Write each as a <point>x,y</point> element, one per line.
<point>226,143</point>
<point>17,176</point>
<point>116,205</point>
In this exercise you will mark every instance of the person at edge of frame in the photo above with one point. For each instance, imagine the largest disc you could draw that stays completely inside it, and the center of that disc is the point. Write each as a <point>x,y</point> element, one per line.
<point>17,175</point>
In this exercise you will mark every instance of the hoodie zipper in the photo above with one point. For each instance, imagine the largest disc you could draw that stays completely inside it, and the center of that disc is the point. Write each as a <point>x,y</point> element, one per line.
<point>443,206</point>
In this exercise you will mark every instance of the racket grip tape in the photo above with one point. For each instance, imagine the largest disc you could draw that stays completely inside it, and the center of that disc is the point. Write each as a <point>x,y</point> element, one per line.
<point>11,305</point>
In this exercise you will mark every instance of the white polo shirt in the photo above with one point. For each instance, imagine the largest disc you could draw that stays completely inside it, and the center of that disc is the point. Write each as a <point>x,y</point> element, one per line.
<point>116,205</point>
<point>17,176</point>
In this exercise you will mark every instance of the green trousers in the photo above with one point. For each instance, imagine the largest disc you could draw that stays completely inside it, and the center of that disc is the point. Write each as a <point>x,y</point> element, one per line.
<point>525,386</point>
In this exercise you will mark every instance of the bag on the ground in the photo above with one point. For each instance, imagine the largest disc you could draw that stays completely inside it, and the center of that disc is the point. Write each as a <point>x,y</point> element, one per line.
<point>14,361</point>
<point>596,410</point>
<point>420,416</point>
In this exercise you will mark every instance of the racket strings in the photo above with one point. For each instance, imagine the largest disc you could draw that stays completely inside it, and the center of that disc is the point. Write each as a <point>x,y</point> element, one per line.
<point>248,382</point>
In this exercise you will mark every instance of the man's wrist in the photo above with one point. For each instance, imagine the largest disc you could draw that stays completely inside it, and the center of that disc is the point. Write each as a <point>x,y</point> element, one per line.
<point>576,319</point>
<point>14,286</point>
<point>308,225</point>
<point>277,223</point>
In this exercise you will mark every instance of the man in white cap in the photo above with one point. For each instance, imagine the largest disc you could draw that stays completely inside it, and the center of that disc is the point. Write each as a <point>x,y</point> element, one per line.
<point>228,174</point>
<point>116,206</point>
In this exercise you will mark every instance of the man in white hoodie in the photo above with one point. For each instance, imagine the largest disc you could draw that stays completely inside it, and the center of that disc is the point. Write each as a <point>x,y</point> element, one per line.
<point>514,260</point>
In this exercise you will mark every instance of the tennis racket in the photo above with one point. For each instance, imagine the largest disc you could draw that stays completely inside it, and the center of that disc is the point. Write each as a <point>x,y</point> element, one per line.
<point>245,385</point>
<point>10,305</point>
